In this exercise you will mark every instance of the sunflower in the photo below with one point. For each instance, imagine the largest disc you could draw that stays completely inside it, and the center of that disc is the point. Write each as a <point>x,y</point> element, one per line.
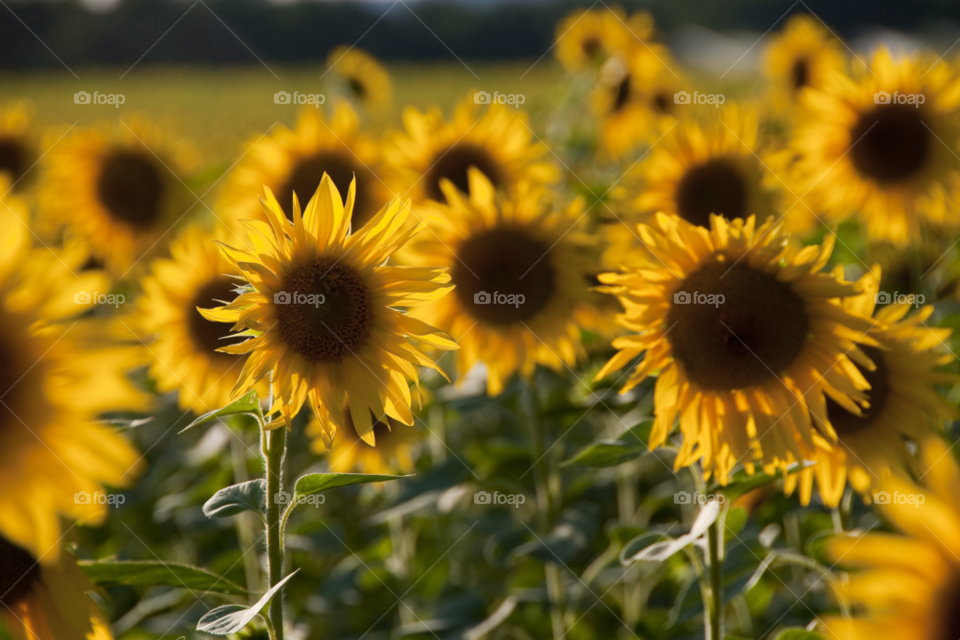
<point>291,162</point>
<point>905,587</point>
<point>803,55</point>
<point>521,273</point>
<point>710,167</point>
<point>120,190</point>
<point>320,311</point>
<point>500,144</point>
<point>882,146</point>
<point>634,100</point>
<point>57,377</point>
<point>367,81</point>
<point>46,600</point>
<point>18,145</point>
<point>903,404</point>
<point>587,37</point>
<point>390,451</point>
<point>746,337</point>
<point>185,353</point>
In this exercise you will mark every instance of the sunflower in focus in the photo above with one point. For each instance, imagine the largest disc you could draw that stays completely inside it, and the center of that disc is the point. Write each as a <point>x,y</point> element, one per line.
<point>588,37</point>
<point>18,144</point>
<point>46,599</point>
<point>185,352</point>
<point>57,377</point>
<point>748,363</point>
<point>803,55</point>
<point>711,167</point>
<point>367,81</point>
<point>294,161</point>
<point>120,191</point>
<point>391,449</point>
<point>903,405</point>
<point>518,249</point>
<point>320,312</point>
<point>882,146</point>
<point>905,587</point>
<point>500,144</point>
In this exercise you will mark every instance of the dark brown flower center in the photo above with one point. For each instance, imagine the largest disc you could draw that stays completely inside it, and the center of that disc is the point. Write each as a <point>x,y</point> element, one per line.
<point>621,93</point>
<point>846,423</point>
<point>131,188</point>
<point>23,371</point>
<point>591,47</point>
<point>324,312</point>
<point>504,275</point>
<point>890,143</point>
<point>18,573</point>
<point>662,102</point>
<point>746,338</point>
<point>946,623</point>
<point>13,158</point>
<point>715,186</point>
<point>452,163</point>
<point>800,73</point>
<point>308,172</point>
<point>358,88</point>
<point>209,336</point>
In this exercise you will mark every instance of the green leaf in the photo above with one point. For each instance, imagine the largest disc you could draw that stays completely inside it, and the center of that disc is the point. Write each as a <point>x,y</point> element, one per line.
<point>734,521</point>
<point>631,444</point>
<point>150,573</point>
<point>799,633</point>
<point>235,499</point>
<point>316,482</point>
<point>231,618</point>
<point>249,404</point>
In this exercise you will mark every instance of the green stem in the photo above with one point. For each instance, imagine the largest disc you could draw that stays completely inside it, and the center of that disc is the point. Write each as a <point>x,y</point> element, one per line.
<point>715,604</point>
<point>244,522</point>
<point>275,449</point>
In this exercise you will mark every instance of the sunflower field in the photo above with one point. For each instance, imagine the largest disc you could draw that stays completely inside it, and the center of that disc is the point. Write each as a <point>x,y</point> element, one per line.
<point>592,347</point>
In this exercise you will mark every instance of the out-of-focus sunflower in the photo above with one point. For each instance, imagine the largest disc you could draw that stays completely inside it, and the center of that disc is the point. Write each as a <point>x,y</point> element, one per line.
<point>119,190</point>
<point>709,167</point>
<point>185,353</point>
<point>587,37</point>
<point>803,55</point>
<point>519,248</point>
<point>367,81</point>
<point>892,164</point>
<point>294,161</point>
<point>500,144</point>
<point>18,144</point>
<point>903,403</point>
<point>320,311</point>
<point>905,587</point>
<point>746,372</point>
<point>47,599</point>
<point>56,378</point>
<point>390,451</point>
<point>634,99</point>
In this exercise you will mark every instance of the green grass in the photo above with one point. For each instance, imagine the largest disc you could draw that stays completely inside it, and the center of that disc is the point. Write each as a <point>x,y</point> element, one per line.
<point>220,109</point>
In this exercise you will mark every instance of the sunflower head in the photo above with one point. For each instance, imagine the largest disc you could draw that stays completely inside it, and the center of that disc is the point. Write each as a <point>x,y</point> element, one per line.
<point>746,336</point>
<point>588,37</point>
<point>18,144</point>
<point>520,267</point>
<point>365,81</point>
<point>320,310</point>
<point>804,54</point>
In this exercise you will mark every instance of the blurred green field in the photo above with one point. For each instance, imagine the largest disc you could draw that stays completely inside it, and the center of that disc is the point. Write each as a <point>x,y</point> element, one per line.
<point>220,109</point>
